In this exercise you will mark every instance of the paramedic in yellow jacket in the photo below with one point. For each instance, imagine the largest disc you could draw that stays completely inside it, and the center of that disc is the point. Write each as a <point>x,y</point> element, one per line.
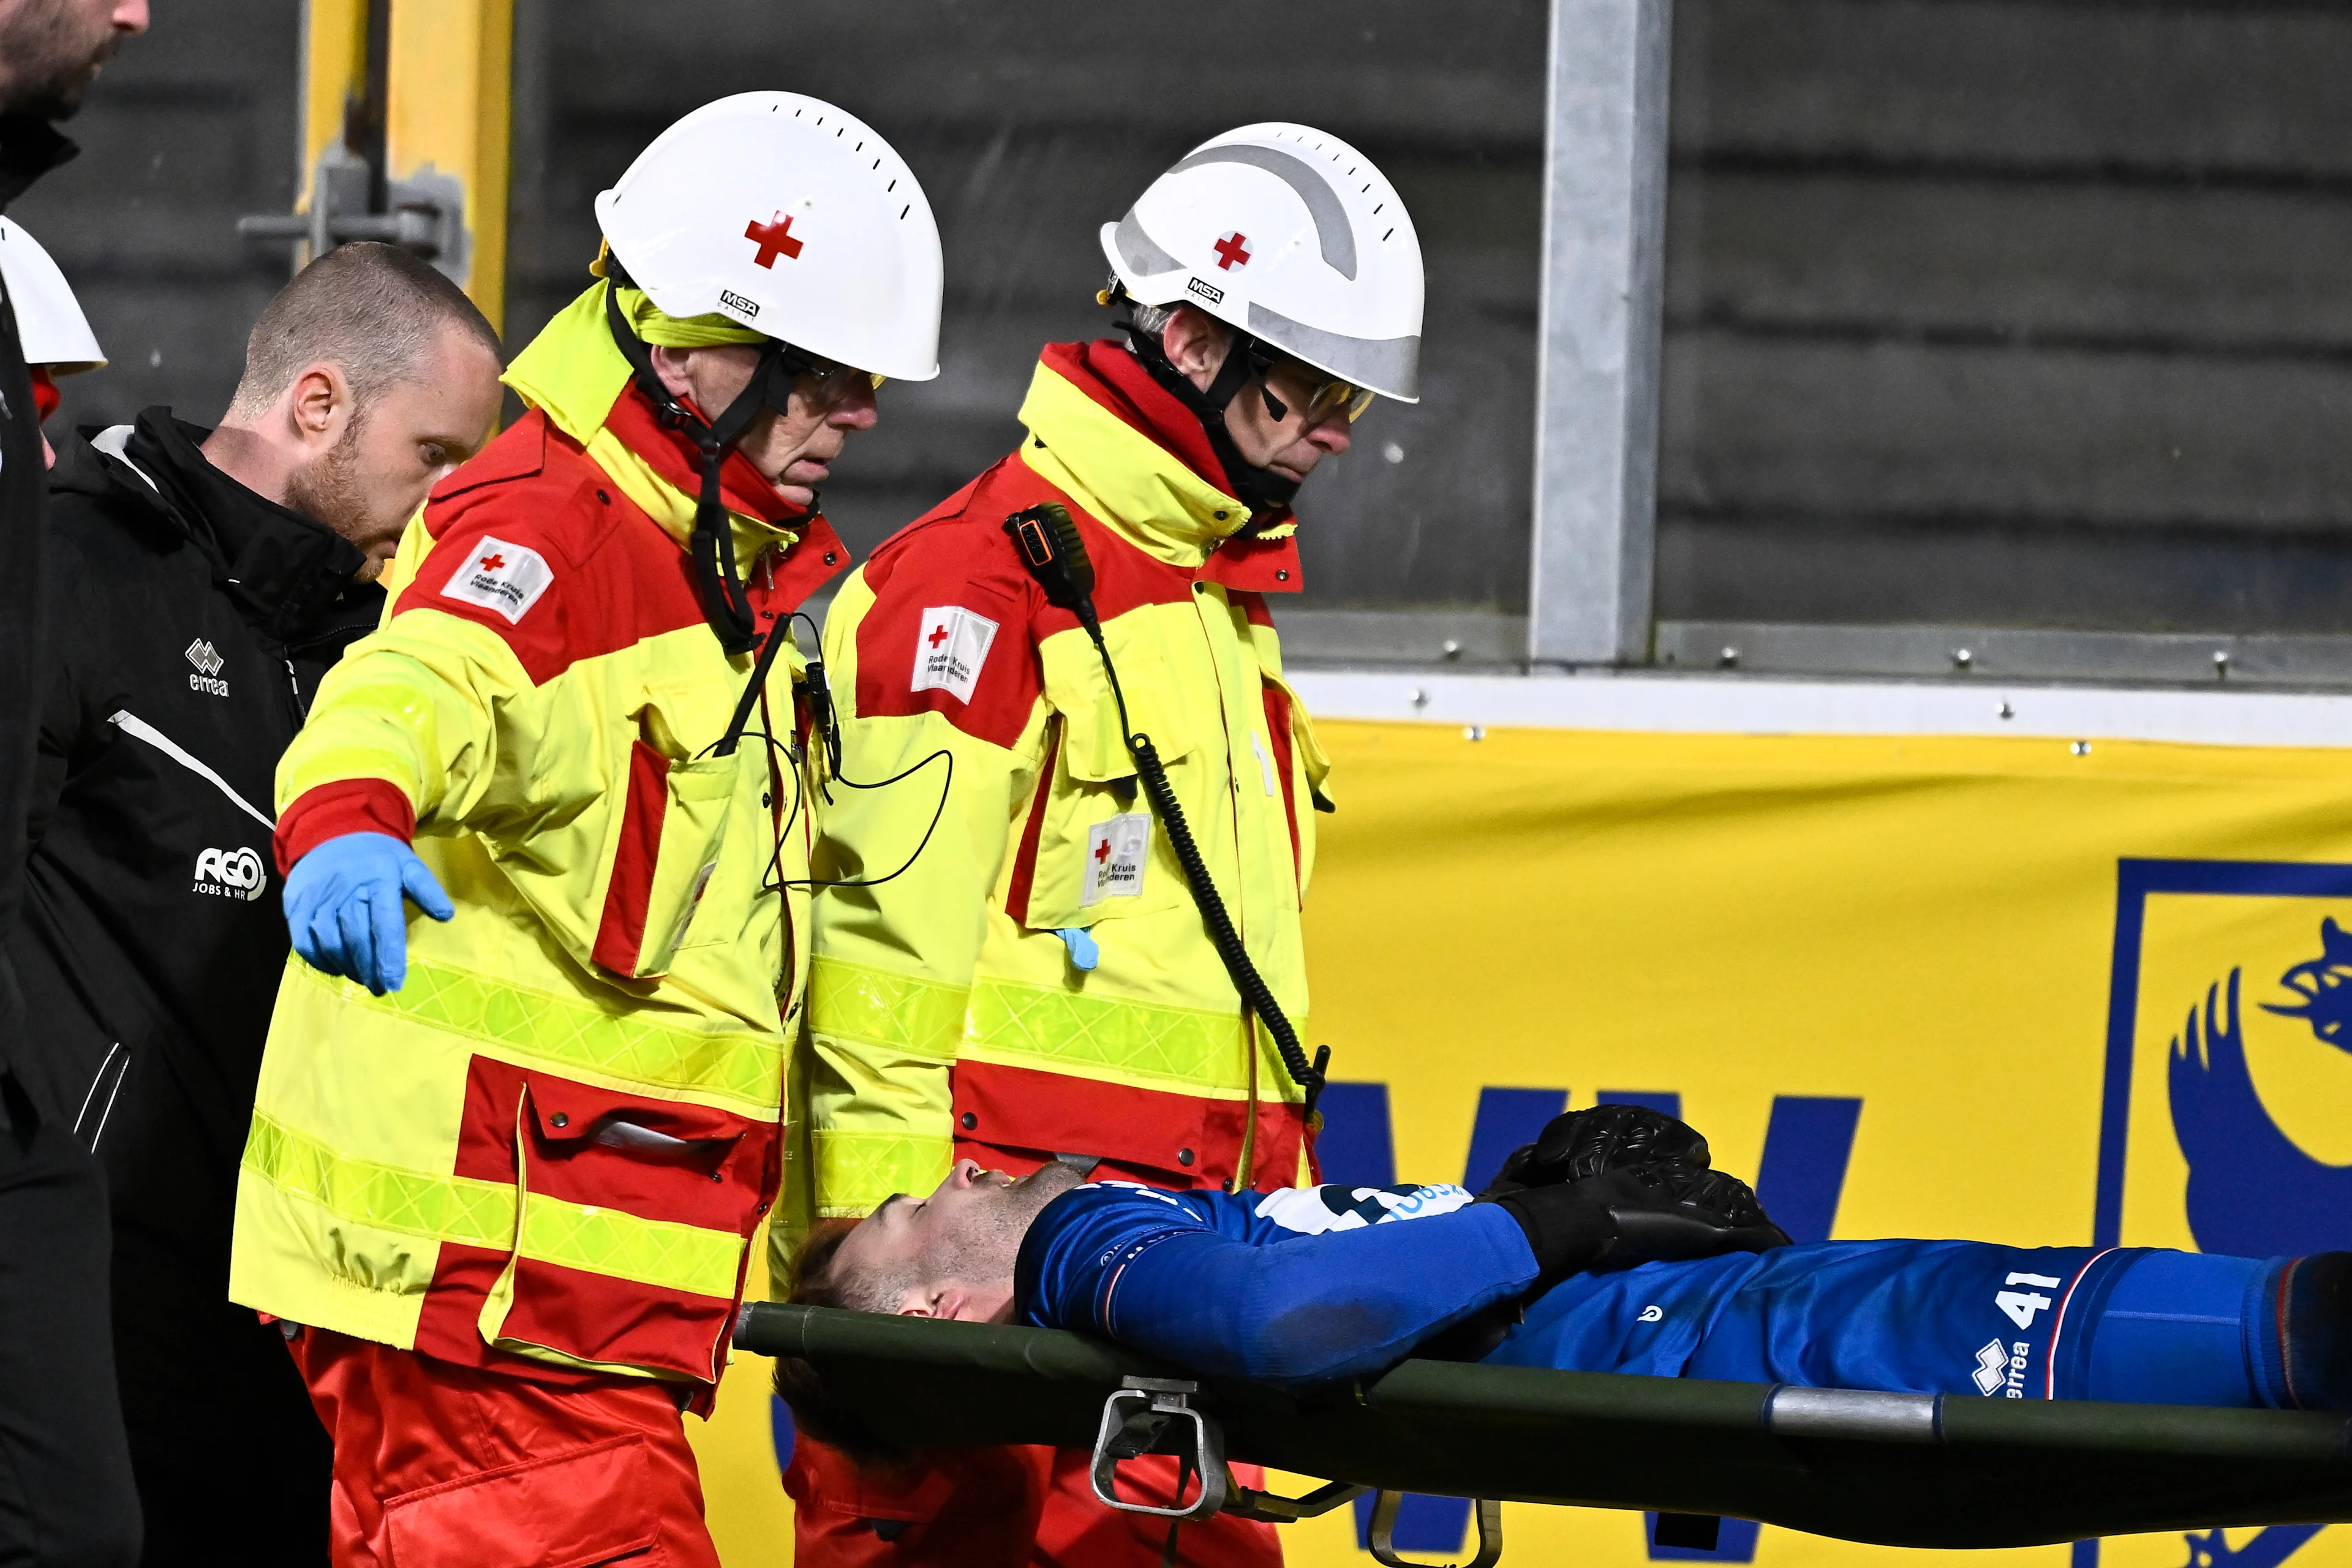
<point>506,1162</point>
<point>1038,980</point>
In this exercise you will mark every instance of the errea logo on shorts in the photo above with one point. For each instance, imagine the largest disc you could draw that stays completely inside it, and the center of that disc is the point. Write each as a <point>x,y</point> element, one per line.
<point>230,874</point>
<point>2000,1367</point>
<point>497,576</point>
<point>951,642</point>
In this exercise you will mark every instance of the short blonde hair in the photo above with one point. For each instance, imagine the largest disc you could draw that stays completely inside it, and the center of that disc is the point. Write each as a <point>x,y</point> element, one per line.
<point>374,310</point>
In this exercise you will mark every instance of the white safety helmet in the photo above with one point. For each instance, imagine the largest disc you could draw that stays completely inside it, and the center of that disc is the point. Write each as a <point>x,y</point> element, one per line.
<point>1292,236</point>
<point>49,322</point>
<point>792,217</point>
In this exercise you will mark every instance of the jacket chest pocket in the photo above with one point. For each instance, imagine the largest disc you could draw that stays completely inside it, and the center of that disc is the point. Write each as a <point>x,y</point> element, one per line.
<point>668,863</point>
<point>1094,848</point>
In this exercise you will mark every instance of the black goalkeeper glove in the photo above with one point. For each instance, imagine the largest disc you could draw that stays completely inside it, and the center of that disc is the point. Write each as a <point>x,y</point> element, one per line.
<point>1581,1144</point>
<point>1639,1214</point>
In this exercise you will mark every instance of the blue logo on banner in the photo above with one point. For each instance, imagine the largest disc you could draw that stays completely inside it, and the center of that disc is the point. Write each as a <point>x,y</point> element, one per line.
<point>2252,1191</point>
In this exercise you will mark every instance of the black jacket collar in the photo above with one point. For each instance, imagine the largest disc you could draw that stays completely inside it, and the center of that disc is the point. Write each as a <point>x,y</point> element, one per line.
<point>29,148</point>
<point>284,570</point>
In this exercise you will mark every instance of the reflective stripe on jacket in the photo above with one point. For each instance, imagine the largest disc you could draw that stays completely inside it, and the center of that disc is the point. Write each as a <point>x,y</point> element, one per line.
<point>552,1146</point>
<point>943,1006</point>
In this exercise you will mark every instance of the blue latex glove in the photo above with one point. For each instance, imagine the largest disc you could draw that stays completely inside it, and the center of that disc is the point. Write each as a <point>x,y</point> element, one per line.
<point>1083,953</point>
<point>344,906</point>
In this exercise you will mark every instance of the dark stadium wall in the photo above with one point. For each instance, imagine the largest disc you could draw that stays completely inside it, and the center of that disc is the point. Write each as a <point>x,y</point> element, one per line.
<point>2024,312</point>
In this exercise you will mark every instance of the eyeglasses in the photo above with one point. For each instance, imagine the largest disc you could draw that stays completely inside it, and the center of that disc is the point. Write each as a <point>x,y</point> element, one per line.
<point>838,383</point>
<point>1334,393</point>
<point>835,384</point>
<point>1331,392</point>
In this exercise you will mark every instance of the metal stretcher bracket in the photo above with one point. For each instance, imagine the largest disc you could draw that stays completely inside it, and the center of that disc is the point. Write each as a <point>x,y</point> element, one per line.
<point>1384,1516</point>
<point>1147,1415</point>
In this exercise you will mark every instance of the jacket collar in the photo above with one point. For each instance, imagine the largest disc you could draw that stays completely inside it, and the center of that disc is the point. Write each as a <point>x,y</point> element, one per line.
<point>29,148</point>
<point>284,570</point>
<point>521,452</point>
<point>1103,431</point>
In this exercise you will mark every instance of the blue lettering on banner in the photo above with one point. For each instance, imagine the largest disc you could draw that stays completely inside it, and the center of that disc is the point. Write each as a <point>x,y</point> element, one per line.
<point>1507,1118</point>
<point>1807,1146</point>
<point>1734,1542</point>
<point>2268,1550</point>
<point>780,1430</point>
<point>1356,1148</point>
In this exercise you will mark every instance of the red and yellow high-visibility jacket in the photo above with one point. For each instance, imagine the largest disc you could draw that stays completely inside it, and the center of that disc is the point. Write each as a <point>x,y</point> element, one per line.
<point>945,1013</point>
<point>547,1152</point>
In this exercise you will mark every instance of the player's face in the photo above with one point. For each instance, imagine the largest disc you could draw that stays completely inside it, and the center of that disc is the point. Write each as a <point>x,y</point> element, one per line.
<point>960,1242</point>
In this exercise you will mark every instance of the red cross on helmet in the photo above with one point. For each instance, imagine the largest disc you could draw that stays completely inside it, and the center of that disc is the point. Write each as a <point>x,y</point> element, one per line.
<point>792,217</point>
<point>1292,236</point>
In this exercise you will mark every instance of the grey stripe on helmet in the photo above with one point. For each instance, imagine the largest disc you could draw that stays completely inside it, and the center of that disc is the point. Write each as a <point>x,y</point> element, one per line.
<point>1332,229</point>
<point>1135,248</point>
<point>1389,366</point>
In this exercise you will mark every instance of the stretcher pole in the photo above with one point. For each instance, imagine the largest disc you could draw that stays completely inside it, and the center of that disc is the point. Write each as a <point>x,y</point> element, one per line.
<point>1897,1469</point>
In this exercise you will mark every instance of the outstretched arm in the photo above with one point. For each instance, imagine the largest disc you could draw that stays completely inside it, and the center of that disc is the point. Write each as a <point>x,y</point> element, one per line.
<point>1312,1308</point>
<point>1314,1284</point>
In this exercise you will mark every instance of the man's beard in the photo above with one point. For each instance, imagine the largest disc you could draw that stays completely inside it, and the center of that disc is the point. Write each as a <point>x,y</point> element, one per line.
<point>987,1245</point>
<point>52,58</point>
<point>328,488</point>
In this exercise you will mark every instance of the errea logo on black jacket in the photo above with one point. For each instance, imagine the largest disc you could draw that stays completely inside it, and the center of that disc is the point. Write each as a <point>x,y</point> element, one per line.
<point>209,664</point>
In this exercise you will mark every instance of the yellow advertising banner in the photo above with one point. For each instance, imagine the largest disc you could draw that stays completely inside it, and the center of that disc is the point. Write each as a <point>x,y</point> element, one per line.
<point>2044,993</point>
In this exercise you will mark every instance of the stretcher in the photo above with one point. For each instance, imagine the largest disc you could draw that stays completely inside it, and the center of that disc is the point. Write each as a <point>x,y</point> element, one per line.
<point>1896,1469</point>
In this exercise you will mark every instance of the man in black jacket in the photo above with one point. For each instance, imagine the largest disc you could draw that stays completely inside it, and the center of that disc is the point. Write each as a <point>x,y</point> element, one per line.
<point>201,583</point>
<point>65,1478</point>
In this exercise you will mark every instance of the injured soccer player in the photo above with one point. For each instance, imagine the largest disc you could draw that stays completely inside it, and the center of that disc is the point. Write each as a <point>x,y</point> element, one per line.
<point>1608,1244</point>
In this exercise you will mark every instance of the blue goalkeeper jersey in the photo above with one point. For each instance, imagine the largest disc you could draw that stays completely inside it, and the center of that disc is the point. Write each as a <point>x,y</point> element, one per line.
<point>1120,1261</point>
<point>1312,1285</point>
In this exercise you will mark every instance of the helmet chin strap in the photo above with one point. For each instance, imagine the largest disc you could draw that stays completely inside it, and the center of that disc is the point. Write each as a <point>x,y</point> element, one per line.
<point>1259,489</point>
<point>726,606</point>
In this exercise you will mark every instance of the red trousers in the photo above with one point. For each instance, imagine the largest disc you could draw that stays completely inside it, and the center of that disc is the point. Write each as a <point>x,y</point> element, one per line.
<point>1002,1508</point>
<point>439,1465</point>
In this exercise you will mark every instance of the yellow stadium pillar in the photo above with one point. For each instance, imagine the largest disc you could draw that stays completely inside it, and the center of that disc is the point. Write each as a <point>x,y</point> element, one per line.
<point>334,74</point>
<point>446,126</point>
